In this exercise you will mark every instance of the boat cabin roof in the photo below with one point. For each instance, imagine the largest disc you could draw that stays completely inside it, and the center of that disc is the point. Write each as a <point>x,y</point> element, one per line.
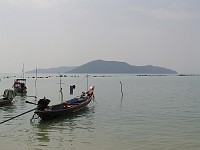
<point>20,80</point>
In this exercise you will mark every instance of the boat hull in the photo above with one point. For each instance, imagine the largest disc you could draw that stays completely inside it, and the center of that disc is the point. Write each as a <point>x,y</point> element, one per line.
<point>4,101</point>
<point>20,90</point>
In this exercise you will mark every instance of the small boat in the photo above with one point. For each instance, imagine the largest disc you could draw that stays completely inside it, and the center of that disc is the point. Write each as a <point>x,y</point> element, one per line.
<point>46,112</point>
<point>19,86</point>
<point>8,97</point>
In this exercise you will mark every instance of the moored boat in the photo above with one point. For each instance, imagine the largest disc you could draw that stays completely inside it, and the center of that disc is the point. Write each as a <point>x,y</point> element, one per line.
<point>46,112</point>
<point>8,97</point>
<point>19,86</point>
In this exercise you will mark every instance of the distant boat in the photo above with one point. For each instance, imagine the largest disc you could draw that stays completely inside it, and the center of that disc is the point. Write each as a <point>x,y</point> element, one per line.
<point>8,97</point>
<point>46,112</point>
<point>19,86</point>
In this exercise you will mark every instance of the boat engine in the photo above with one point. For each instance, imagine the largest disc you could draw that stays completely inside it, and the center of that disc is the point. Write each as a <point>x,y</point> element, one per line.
<point>43,103</point>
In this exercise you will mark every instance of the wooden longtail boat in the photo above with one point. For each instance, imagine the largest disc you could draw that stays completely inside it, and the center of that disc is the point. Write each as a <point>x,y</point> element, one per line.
<point>46,112</point>
<point>8,97</point>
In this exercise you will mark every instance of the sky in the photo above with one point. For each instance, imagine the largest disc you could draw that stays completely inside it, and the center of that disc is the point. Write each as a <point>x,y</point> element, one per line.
<point>55,33</point>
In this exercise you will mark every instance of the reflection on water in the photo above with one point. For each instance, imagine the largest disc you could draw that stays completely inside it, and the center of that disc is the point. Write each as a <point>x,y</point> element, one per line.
<point>63,130</point>
<point>8,108</point>
<point>121,101</point>
<point>21,94</point>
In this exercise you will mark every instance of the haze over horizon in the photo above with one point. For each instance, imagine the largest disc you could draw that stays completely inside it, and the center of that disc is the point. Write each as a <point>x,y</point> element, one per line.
<point>55,33</point>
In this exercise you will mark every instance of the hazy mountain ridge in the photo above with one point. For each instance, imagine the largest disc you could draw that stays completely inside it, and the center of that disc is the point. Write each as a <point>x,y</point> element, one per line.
<point>63,69</point>
<point>101,66</point>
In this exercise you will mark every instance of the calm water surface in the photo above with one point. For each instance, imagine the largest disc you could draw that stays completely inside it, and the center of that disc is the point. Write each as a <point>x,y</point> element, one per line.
<point>158,112</point>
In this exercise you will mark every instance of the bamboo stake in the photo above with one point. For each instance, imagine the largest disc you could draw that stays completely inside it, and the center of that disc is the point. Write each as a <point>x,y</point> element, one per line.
<point>121,89</point>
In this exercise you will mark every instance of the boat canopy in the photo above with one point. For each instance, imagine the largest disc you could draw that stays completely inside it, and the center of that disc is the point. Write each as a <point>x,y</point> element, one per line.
<point>9,94</point>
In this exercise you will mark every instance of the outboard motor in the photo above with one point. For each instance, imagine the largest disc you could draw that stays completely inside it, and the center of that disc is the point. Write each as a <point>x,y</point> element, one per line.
<point>43,103</point>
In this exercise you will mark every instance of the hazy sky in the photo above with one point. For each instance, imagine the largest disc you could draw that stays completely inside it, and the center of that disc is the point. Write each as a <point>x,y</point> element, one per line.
<point>54,33</point>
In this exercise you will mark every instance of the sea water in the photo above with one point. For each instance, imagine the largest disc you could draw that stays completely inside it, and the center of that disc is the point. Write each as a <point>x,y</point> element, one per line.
<point>142,113</point>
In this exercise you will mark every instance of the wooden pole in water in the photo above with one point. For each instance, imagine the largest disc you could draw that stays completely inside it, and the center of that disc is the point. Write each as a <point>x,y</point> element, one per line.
<point>87,82</point>
<point>17,116</point>
<point>61,93</point>
<point>121,89</point>
<point>22,70</point>
<point>36,82</point>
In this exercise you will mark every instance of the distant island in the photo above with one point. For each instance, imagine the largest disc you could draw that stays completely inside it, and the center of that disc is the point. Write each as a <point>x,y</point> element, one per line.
<point>108,67</point>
